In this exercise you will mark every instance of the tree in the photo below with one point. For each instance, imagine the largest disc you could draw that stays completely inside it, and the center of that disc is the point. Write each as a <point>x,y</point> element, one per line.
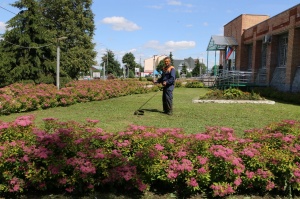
<point>74,20</point>
<point>129,61</point>
<point>160,66</point>
<point>26,52</point>
<point>171,58</point>
<point>29,47</point>
<point>184,69</point>
<point>112,66</point>
<point>199,68</point>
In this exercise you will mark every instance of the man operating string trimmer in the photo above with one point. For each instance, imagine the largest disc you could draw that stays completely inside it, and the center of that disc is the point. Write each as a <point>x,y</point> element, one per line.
<point>167,80</point>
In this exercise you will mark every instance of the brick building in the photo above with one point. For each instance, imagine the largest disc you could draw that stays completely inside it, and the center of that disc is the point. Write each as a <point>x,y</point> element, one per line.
<point>268,47</point>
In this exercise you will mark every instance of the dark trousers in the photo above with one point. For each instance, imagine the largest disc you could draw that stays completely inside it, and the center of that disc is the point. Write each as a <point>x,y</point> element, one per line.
<point>167,99</point>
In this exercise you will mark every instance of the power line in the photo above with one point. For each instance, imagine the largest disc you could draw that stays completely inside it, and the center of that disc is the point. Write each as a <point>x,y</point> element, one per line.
<point>27,47</point>
<point>7,10</point>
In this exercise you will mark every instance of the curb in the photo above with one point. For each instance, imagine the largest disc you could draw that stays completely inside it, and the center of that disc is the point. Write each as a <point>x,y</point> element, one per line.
<point>235,101</point>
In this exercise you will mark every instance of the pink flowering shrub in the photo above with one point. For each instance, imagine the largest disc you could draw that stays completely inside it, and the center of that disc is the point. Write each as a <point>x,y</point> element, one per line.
<point>80,157</point>
<point>27,97</point>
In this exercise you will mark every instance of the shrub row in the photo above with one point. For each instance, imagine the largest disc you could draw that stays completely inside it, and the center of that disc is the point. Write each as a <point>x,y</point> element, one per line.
<point>75,158</point>
<point>27,97</point>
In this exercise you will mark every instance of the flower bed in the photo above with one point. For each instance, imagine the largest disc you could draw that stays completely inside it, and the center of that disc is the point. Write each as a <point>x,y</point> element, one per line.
<point>78,157</point>
<point>27,97</point>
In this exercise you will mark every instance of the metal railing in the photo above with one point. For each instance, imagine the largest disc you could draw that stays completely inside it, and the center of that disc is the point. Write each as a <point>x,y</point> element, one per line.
<point>233,78</point>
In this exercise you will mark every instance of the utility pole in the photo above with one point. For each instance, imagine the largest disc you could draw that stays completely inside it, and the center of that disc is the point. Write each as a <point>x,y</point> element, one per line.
<point>154,68</point>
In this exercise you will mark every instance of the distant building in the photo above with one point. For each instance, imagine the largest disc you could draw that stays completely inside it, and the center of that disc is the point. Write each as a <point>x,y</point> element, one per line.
<point>150,62</point>
<point>189,63</point>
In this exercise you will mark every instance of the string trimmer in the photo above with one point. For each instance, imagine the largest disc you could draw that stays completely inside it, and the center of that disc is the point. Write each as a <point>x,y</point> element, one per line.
<point>140,111</point>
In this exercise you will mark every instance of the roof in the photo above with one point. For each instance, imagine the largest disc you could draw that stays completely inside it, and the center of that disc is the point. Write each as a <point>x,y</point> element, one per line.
<point>220,43</point>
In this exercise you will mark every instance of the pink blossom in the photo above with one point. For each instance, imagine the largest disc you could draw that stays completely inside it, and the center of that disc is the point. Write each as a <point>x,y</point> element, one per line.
<point>25,158</point>
<point>193,182</point>
<point>54,169</point>
<point>62,180</point>
<point>202,170</point>
<point>159,147</point>
<point>186,165</point>
<point>250,174</point>
<point>141,186</point>
<point>70,189</point>
<point>23,122</point>
<point>270,185</point>
<point>202,160</point>
<point>50,119</point>
<point>262,173</point>
<point>202,137</point>
<point>92,121</point>
<point>288,138</point>
<point>4,125</point>
<point>250,152</point>
<point>238,181</point>
<point>171,141</point>
<point>90,186</point>
<point>99,154</point>
<point>181,154</point>
<point>164,157</point>
<point>172,175</point>
<point>297,173</point>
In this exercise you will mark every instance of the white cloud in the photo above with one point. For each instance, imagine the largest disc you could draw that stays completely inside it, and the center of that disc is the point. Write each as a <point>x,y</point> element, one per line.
<point>180,44</point>
<point>2,26</point>
<point>174,3</point>
<point>133,50</point>
<point>169,46</point>
<point>120,23</point>
<point>205,24</point>
<point>155,7</point>
<point>189,25</point>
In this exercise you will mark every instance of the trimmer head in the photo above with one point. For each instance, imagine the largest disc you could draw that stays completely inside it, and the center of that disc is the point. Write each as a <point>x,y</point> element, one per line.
<point>139,112</point>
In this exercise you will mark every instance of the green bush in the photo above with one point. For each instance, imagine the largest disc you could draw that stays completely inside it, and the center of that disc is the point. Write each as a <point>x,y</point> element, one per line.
<point>231,93</point>
<point>268,92</point>
<point>194,84</point>
<point>178,83</point>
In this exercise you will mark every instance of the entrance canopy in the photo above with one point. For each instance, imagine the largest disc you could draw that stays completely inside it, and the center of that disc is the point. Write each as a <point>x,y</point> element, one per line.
<point>217,43</point>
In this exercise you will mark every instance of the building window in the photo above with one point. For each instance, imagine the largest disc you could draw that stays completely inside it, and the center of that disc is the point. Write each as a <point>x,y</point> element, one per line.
<point>250,47</point>
<point>283,46</point>
<point>264,56</point>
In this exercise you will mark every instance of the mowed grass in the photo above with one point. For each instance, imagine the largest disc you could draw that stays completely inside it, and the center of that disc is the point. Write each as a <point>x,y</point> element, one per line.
<point>117,114</point>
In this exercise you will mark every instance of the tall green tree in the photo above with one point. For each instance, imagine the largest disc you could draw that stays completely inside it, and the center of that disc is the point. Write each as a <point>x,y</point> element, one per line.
<point>74,20</point>
<point>171,58</point>
<point>26,51</point>
<point>200,68</point>
<point>160,66</point>
<point>184,69</point>
<point>112,66</point>
<point>129,61</point>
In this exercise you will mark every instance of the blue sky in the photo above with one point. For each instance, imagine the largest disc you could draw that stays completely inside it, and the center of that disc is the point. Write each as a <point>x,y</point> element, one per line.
<point>158,27</point>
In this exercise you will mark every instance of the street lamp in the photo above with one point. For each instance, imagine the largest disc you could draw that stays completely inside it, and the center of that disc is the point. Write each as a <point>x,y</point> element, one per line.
<point>58,60</point>
<point>154,67</point>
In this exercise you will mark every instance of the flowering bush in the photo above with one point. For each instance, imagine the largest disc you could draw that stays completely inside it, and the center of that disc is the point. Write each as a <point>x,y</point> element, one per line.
<point>27,97</point>
<point>79,157</point>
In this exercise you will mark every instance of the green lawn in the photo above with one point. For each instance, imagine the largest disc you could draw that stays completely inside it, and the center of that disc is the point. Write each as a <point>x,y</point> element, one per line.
<point>117,113</point>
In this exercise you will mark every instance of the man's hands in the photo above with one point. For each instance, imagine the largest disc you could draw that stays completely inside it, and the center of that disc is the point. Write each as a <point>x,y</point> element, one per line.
<point>164,83</point>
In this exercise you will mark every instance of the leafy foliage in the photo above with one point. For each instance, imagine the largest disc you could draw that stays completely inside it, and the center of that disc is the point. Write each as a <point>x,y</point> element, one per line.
<point>80,157</point>
<point>27,97</point>
<point>28,50</point>
<point>231,93</point>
